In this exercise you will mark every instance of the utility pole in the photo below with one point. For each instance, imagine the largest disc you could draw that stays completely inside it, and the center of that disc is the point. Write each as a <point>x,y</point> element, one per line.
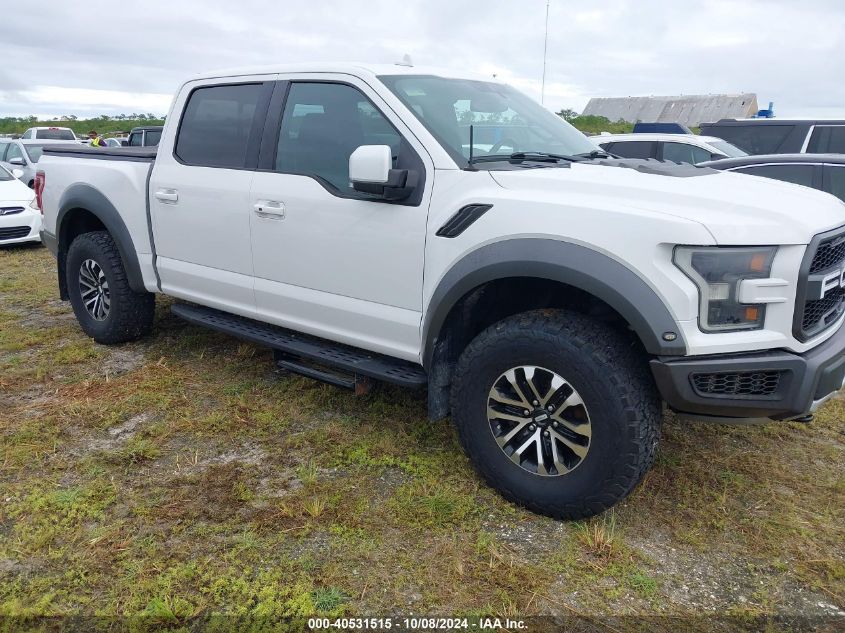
<point>545,48</point>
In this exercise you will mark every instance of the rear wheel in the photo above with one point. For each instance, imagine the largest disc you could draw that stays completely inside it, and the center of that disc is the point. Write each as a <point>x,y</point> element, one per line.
<point>106,307</point>
<point>557,412</point>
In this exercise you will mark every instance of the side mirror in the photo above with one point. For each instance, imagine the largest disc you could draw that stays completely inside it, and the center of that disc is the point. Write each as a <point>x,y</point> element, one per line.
<point>17,173</point>
<point>17,160</point>
<point>371,171</point>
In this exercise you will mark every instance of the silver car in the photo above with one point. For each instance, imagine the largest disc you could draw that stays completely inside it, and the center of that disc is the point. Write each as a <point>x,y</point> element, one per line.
<point>22,155</point>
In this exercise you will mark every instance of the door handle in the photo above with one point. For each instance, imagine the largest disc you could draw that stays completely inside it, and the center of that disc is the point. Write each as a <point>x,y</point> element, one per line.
<point>269,209</point>
<point>167,195</point>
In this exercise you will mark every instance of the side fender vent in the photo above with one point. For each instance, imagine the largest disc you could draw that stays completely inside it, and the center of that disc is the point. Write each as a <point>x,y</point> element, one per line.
<point>463,219</point>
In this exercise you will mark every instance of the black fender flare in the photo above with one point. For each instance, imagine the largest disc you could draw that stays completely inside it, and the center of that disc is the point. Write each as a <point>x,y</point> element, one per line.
<point>84,196</point>
<point>575,265</point>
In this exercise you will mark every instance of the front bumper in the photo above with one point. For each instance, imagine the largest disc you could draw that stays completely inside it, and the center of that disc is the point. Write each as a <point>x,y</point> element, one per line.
<point>20,227</point>
<point>774,384</point>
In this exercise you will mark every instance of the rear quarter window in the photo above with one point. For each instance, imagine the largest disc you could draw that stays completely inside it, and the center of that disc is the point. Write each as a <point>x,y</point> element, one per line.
<point>836,180</point>
<point>827,139</point>
<point>754,139</point>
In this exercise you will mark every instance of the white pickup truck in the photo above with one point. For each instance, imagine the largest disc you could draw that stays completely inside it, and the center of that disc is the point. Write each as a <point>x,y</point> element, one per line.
<point>444,231</point>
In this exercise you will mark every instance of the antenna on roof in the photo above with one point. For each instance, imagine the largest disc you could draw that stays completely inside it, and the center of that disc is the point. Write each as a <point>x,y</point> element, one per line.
<point>406,61</point>
<point>545,47</point>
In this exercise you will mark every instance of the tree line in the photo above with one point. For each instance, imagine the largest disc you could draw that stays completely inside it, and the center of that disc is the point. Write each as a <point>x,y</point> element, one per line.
<point>104,123</point>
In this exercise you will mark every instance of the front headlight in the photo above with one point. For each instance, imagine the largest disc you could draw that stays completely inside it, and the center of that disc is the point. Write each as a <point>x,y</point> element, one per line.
<point>718,272</point>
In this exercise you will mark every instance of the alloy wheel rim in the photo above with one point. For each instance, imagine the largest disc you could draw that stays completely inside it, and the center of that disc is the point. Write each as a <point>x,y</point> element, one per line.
<point>94,288</point>
<point>539,420</point>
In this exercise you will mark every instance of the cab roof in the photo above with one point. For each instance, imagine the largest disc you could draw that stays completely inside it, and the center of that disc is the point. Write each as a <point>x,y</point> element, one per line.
<point>350,68</point>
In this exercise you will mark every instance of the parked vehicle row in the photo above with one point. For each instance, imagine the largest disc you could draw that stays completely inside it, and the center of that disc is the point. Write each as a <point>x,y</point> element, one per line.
<point>678,148</point>
<point>20,219</point>
<point>825,172</point>
<point>23,155</point>
<point>548,296</point>
<point>781,136</point>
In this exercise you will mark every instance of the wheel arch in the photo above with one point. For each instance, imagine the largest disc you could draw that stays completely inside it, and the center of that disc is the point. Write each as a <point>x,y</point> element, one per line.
<point>83,209</point>
<point>557,274</point>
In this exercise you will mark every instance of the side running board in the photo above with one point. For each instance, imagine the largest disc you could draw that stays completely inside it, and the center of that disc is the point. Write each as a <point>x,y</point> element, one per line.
<point>308,355</point>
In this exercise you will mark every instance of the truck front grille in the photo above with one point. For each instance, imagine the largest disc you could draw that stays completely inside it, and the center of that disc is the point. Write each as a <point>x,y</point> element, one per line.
<point>14,232</point>
<point>744,383</point>
<point>817,309</point>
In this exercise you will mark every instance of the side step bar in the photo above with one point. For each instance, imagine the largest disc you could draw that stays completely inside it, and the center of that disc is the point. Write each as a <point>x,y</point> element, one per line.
<point>300,353</point>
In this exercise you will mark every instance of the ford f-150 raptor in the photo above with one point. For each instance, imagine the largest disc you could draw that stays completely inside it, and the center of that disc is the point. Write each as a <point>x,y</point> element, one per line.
<point>443,231</point>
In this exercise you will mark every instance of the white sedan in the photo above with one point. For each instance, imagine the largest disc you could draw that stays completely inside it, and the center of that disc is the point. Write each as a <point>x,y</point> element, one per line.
<point>20,219</point>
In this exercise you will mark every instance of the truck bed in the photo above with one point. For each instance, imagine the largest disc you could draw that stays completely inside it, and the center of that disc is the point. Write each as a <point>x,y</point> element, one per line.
<point>136,154</point>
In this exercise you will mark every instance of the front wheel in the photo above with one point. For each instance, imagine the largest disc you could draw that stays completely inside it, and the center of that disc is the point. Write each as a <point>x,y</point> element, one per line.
<point>557,412</point>
<point>108,310</point>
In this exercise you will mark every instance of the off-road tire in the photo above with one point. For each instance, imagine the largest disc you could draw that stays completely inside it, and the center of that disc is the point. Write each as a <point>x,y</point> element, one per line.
<point>605,366</point>
<point>130,314</point>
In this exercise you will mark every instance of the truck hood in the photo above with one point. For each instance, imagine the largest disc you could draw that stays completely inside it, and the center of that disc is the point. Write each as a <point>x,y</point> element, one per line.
<point>735,208</point>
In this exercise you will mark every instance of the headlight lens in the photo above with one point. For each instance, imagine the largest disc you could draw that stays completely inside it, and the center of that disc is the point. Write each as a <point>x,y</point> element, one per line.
<point>718,272</point>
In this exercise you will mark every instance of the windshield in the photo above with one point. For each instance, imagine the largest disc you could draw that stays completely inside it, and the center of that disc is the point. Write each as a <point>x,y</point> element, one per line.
<point>34,151</point>
<point>504,121</point>
<point>5,174</point>
<point>728,149</point>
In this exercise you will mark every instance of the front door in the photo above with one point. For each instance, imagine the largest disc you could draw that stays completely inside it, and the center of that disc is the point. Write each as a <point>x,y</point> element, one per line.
<point>326,259</point>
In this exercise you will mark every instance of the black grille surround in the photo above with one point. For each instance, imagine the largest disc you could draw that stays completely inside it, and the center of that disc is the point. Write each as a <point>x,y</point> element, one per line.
<point>736,384</point>
<point>14,232</point>
<point>825,256</point>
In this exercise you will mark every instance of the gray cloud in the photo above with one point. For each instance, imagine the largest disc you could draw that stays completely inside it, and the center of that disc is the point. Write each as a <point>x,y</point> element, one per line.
<point>788,52</point>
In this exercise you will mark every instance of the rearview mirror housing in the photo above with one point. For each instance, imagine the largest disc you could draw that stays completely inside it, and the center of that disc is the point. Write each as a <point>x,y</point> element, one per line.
<point>371,172</point>
<point>17,173</point>
<point>17,160</point>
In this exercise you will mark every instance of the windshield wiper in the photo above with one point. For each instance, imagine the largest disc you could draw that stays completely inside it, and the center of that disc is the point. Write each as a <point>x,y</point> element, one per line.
<point>539,157</point>
<point>596,153</point>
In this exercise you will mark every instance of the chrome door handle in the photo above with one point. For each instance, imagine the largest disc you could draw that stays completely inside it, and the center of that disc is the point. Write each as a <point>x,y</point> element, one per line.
<point>269,209</point>
<point>167,195</point>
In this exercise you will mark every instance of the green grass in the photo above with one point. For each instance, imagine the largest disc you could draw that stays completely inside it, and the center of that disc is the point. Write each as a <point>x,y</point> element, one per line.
<point>179,477</point>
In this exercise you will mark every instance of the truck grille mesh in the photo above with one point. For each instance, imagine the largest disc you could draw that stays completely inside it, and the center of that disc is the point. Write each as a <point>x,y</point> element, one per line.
<point>746,383</point>
<point>819,314</point>
<point>829,254</point>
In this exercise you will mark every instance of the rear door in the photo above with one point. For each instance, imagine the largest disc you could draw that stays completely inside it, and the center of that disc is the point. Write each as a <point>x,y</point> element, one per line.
<point>329,260</point>
<point>199,192</point>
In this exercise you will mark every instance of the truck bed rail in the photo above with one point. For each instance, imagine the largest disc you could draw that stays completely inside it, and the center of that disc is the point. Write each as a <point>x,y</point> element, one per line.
<point>136,154</point>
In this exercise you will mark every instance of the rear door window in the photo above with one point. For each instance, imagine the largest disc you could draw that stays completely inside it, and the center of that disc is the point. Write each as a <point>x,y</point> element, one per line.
<point>684,153</point>
<point>217,124</point>
<point>827,139</point>
<point>753,138</point>
<point>635,149</point>
<point>55,135</point>
<point>797,174</point>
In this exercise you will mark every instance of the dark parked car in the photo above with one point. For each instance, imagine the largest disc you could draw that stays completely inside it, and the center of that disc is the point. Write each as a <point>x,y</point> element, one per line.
<point>145,136</point>
<point>819,171</point>
<point>781,136</point>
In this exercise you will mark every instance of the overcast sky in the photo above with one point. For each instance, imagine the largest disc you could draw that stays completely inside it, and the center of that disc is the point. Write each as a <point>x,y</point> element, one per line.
<point>90,57</point>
